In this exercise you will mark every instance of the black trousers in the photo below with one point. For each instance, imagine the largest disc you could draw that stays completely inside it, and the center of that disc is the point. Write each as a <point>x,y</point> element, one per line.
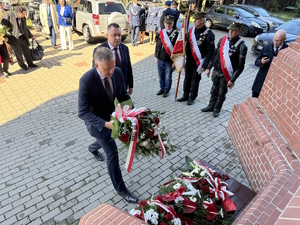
<point>4,58</point>
<point>218,91</point>
<point>255,95</point>
<point>22,49</point>
<point>191,81</point>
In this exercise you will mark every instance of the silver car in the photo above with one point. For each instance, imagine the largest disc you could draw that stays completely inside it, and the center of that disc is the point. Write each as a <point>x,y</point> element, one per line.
<point>93,17</point>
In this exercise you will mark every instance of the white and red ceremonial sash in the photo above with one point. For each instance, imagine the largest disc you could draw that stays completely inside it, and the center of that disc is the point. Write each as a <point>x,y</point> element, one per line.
<point>165,40</point>
<point>195,50</point>
<point>126,114</point>
<point>225,59</point>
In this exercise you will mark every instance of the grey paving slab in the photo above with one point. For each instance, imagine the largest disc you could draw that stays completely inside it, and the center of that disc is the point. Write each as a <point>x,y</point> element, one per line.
<point>56,180</point>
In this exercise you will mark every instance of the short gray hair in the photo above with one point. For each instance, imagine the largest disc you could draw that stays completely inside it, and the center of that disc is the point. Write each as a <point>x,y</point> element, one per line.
<point>103,54</point>
<point>20,9</point>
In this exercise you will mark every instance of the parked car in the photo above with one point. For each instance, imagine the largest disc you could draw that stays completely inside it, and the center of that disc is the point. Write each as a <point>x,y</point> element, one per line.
<point>291,27</point>
<point>264,15</point>
<point>93,17</point>
<point>221,16</point>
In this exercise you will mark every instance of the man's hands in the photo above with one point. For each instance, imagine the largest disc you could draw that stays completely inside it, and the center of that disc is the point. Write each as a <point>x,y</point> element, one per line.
<point>207,72</point>
<point>173,66</point>
<point>109,124</point>
<point>130,91</point>
<point>155,59</point>
<point>33,37</point>
<point>202,70</point>
<point>230,84</point>
<point>265,60</point>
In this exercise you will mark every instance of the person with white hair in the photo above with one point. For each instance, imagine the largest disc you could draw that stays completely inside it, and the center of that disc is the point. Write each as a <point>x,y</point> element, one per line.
<point>265,58</point>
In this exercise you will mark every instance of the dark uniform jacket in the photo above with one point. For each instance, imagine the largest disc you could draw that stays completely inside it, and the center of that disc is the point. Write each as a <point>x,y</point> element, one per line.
<point>237,58</point>
<point>264,68</point>
<point>160,52</point>
<point>166,12</point>
<point>207,47</point>
<point>176,15</point>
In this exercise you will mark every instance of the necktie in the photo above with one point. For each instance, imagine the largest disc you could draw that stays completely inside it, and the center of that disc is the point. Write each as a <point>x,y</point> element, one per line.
<point>118,61</point>
<point>21,26</point>
<point>276,51</point>
<point>48,10</point>
<point>108,89</point>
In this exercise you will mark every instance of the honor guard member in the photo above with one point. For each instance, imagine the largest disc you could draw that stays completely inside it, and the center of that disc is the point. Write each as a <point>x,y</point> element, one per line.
<point>134,21</point>
<point>200,49</point>
<point>164,47</point>
<point>176,12</point>
<point>228,62</point>
<point>160,12</point>
<point>167,11</point>
<point>152,21</point>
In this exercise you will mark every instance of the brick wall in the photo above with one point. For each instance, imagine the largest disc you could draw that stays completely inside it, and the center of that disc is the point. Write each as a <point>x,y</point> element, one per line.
<point>265,133</point>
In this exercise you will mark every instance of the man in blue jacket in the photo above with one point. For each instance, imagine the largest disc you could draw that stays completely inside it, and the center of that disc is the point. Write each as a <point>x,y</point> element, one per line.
<point>176,12</point>
<point>121,52</point>
<point>97,90</point>
<point>167,12</point>
<point>134,21</point>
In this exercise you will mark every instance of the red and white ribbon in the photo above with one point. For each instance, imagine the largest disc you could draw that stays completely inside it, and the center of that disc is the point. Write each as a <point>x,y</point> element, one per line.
<point>165,40</point>
<point>126,114</point>
<point>168,209</point>
<point>225,59</point>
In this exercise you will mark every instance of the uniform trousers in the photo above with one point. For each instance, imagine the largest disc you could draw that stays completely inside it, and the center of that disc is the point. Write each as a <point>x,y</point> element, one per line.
<point>21,49</point>
<point>62,32</point>
<point>4,58</point>
<point>134,34</point>
<point>165,75</point>
<point>191,81</point>
<point>112,160</point>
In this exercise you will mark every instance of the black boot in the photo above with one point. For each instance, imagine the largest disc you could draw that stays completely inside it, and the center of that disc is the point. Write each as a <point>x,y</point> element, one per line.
<point>217,108</point>
<point>208,108</point>
<point>182,99</point>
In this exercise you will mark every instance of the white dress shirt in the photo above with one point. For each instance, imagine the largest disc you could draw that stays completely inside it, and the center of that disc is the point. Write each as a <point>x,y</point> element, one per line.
<point>112,49</point>
<point>103,82</point>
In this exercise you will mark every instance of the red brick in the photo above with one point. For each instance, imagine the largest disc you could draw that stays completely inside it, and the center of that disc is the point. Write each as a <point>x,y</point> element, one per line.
<point>293,213</point>
<point>284,202</point>
<point>287,222</point>
<point>262,219</point>
<point>273,217</point>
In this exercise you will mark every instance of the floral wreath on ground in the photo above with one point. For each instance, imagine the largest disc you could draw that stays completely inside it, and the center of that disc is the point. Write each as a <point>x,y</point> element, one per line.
<point>141,132</point>
<point>198,197</point>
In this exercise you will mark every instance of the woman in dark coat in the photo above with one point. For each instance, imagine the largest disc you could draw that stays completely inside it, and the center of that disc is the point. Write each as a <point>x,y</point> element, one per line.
<point>143,18</point>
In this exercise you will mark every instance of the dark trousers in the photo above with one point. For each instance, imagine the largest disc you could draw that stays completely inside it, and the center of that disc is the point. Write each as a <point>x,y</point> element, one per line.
<point>4,58</point>
<point>22,49</point>
<point>112,160</point>
<point>191,82</point>
<point>134,34</point>
<point>218,91</point>
<point>255,95</point>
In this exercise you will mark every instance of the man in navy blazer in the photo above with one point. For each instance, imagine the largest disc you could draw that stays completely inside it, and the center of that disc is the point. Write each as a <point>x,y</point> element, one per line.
<point>265,58</point>
<point>167,11</point>
<point>121,52</point>
<point>97,89</point>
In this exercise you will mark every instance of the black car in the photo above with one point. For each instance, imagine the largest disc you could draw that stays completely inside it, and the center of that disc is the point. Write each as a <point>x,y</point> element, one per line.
<point>291,27</point>
<point>221,16</point>
<point>264,15</point>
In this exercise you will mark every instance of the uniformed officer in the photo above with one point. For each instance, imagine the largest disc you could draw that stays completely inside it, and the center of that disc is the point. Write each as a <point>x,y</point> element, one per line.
<point>160,12</point>
<point>176,12</point>
<point>164,45</point>
<point>232,50</point>
<point>167,11</point>
<point>134,21</point>
<point>152,21</point>
<point>199,51</point>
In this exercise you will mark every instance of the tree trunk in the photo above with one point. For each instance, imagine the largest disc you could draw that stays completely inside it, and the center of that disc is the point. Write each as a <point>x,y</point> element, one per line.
<point>203,5</point>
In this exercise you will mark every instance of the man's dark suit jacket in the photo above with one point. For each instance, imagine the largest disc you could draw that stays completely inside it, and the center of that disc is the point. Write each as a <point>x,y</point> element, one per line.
<point>125,62</point>
<point>264,68</point>
<point>166,12</point>
<point>94,106</point>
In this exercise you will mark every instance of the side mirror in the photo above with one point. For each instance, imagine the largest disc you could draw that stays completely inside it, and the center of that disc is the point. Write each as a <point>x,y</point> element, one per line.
<point>237,16</point>
<point>256,15</point>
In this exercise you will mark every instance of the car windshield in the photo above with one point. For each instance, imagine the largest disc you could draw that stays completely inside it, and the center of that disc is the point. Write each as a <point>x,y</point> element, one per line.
<point>262,12</point>
<point>108,8</point>
<point>244,13</point>
<point>291,27</point>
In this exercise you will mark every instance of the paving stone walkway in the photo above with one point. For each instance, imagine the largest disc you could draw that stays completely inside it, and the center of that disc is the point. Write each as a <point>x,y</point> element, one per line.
<point>47,175</point>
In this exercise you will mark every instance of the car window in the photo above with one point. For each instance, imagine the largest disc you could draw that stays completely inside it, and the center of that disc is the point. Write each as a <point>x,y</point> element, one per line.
<point>231,12</point>
<point>110,7</point>
<point>291,27</point>
<point>220,9</point>
<point>251,11</point>
<point>89,7</point>
<point>263,12</point>
<point>244,13</point>
<point>82,5</point>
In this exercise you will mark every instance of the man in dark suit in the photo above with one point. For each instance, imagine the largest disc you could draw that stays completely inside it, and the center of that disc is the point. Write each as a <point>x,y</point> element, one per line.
<point>167,11</point>
<point>265,58</point>
<point>17,22</point>
<point>97,89</point>
<point>176,12</point>
<point>121,52</point>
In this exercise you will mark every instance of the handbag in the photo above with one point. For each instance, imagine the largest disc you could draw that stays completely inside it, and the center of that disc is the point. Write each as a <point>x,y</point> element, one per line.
<point>36,53</point>
<point>67,20</point>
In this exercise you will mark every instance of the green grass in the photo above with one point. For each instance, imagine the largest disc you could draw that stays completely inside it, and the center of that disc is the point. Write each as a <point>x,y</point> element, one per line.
<point>286,16</point>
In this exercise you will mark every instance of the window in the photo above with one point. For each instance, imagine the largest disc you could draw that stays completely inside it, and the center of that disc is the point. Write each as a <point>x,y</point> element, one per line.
<point>231,12</point>
<point>82,5</point>
<point>108,8</point>
<point>220,10</point>
<point>89,7</point>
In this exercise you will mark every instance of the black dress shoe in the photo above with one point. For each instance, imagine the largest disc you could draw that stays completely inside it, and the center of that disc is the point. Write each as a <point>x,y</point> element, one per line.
<point>215,114</point>
<point>8,73</point>
<point>182,99</point>
<point>207,109</point>
<point>98,156</point>
<point>190,102</point>
<point>32,65</point>
<point>160,92</point>
<point>128,197</point>
<point>166,94</point>
<point>24,67</point>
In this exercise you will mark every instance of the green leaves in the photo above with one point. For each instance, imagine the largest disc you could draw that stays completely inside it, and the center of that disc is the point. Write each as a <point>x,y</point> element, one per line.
<point>188,162</point>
